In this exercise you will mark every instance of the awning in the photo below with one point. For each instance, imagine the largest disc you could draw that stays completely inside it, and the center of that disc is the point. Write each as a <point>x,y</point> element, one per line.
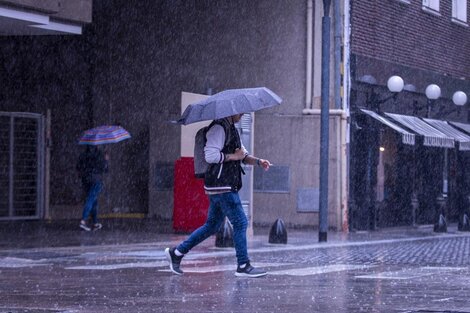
<point>444,127</point>
<point>406,137</point>
<point>462,126</point>
<point>432,136</point>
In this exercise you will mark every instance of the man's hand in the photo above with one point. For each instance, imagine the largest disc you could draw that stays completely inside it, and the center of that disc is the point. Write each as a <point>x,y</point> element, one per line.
<point>252,160</point>
<point>264,164</point>
<point>238,155</point>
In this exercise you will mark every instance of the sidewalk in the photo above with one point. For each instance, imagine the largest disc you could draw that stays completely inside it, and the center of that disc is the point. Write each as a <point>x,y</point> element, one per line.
<point>42,234</point>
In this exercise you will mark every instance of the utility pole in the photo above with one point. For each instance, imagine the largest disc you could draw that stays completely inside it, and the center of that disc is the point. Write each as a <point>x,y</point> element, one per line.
<point>324,122</point>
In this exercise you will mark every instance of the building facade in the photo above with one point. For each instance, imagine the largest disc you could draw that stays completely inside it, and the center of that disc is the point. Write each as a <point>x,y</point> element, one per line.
<point>130,64</point>
<point>394,180</point>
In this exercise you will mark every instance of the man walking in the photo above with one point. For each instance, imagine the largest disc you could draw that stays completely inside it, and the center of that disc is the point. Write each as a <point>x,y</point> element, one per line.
<point>224,152</point>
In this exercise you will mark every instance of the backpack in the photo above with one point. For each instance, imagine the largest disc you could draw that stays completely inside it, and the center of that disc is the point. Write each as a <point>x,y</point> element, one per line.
<point>200,164</point>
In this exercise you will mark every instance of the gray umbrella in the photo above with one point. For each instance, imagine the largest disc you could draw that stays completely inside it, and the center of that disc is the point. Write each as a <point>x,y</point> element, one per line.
<point>228,103</point>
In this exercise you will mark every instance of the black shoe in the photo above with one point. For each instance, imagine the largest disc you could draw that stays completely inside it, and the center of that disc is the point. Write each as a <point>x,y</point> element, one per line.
<point>84,226</point>
<point>174,261</point>
<point>249,271</point>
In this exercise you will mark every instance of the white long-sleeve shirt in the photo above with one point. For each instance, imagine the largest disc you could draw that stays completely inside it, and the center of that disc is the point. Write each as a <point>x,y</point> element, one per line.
<point>215,143</point>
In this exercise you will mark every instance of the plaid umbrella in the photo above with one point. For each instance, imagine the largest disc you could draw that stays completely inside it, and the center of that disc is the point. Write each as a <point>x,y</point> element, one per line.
<point>103,134</point>
<point>229,102</point>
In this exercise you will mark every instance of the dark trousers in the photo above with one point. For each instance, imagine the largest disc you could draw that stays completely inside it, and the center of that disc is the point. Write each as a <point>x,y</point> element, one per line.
<point>91,202</point>
<point>222,205</point>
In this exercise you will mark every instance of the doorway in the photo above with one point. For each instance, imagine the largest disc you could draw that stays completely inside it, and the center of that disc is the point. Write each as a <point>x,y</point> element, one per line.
<point>21,165</point>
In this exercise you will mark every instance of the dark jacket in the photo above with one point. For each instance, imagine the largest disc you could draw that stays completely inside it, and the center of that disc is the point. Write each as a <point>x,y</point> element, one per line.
<point>225,176</point>
<point>91,166</point>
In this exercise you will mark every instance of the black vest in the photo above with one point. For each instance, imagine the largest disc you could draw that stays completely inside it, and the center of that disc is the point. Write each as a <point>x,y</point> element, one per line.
<point>225,176</point>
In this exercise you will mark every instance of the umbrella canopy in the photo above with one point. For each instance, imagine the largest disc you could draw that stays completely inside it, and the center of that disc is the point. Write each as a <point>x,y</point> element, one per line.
<point>229,102</point>
<point>103,135</point>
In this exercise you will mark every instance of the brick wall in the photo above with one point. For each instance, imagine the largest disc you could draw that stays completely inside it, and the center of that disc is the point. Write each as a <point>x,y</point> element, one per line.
<point>406,34</point>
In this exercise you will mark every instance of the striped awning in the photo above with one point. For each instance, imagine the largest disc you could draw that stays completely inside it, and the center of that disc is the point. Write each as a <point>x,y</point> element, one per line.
<point>432,136</point>
<point>448,130</point>
<point>406,137</point>
<point>462,126</point>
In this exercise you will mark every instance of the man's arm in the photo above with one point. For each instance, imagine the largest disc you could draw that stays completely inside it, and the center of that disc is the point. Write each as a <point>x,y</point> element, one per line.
<point>252,160</point>
<point>214,145</point>
<point>215,139</point>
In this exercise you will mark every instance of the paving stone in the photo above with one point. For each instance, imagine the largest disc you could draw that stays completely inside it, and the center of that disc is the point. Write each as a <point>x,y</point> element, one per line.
<point>375,272</point>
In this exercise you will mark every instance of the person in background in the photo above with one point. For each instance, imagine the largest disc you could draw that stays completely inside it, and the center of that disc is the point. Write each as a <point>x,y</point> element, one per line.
<point>92,165</point>
<point>224,152</point>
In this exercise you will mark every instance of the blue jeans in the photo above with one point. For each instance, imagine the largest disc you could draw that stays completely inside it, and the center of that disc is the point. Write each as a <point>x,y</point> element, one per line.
<point>91,202</point>
<point>221,205</point>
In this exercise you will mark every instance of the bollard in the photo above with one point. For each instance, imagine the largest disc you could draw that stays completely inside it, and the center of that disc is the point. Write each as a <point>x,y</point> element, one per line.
<point>224,237</point>
<point>441,225</point>
<point>464,223</point>
<point>278,232</point>
<point>414,208</point>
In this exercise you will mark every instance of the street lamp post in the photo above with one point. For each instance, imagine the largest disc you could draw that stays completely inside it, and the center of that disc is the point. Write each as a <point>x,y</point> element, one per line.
<point>395,85</point>
<point>433,92</point>
<point>460,99</point>
<point>324,123</point>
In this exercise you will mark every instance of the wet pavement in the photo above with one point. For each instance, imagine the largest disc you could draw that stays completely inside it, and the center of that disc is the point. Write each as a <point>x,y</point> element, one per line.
<point>47,268</point>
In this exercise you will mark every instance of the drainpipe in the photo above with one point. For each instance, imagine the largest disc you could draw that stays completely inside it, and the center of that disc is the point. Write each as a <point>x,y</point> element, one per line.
<point>308,86</point>
<point>342,128</point>
<point>346,58</point>
<point>347,85</point>
<point>337,20</point>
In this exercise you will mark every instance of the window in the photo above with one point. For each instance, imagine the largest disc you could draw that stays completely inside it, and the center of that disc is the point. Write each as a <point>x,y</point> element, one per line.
<point>459,10</point>
<point>431,4</point>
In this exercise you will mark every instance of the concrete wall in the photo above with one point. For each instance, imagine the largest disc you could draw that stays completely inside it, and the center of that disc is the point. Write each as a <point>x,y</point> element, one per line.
<point>164,48</point>
<point>297,144</point>
<point>41,73</point>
